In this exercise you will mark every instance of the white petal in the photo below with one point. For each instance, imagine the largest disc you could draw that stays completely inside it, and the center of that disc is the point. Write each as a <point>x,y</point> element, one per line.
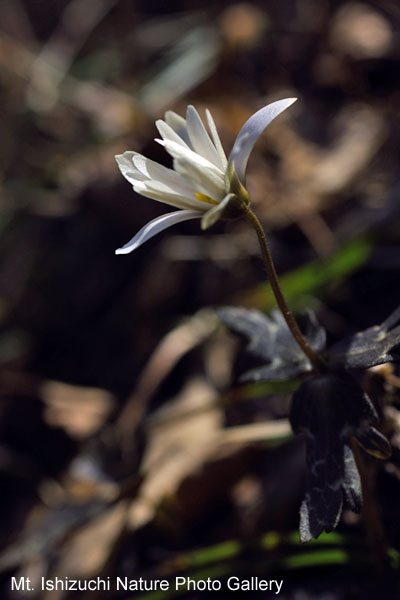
<point>201,142</point>
<point>169,134</point>
<point>157,182</point>
<point>178,151</point>
<point>215,213</point>
<point>203,175</point>
<point>156,226</point>
<point>127,168</point>
<point>158,191</point>
<point>216,140</point>
<point>178,124</point>
<point>156,172</point>
<point>251,131</point>
<point>203,179</point>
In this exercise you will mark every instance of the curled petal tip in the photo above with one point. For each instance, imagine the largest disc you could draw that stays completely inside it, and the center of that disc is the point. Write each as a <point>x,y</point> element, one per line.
<point>251,131</point>
<point>156,226</point>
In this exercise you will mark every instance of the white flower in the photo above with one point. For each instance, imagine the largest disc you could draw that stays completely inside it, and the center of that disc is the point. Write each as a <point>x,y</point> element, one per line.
<point>203,183</point>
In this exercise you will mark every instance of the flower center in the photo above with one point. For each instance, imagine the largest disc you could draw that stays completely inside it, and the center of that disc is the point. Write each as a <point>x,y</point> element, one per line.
<point>204,198</point>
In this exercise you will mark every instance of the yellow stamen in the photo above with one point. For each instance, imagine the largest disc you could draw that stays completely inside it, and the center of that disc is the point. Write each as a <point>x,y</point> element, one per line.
<point>204,198</point>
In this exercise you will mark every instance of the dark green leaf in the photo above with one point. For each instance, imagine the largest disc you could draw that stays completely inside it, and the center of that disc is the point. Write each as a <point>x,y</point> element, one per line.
<point>328,409</point>
<point>270,340</point>
<point>368,348</point>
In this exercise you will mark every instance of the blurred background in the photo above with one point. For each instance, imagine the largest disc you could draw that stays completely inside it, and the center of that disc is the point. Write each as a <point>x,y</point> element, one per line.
<point>128,447</point>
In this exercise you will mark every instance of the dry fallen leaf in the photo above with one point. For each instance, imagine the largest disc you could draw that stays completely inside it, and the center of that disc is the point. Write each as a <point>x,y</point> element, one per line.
<point>88,551</point>
<point>183,433</point>
<point>80,411</point>
<point>187,440</point>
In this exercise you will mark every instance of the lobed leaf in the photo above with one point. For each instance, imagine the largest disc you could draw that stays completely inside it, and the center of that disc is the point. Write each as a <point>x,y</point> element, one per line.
<point>270,340</point>
<point>368,348</point>
<point>329,409</point>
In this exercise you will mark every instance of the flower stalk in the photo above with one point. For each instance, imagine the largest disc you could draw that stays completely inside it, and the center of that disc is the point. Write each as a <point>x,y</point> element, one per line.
<point>315,359</point>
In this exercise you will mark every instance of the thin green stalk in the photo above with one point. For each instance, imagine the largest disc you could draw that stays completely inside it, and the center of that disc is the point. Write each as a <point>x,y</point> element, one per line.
<point>315,359</point>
